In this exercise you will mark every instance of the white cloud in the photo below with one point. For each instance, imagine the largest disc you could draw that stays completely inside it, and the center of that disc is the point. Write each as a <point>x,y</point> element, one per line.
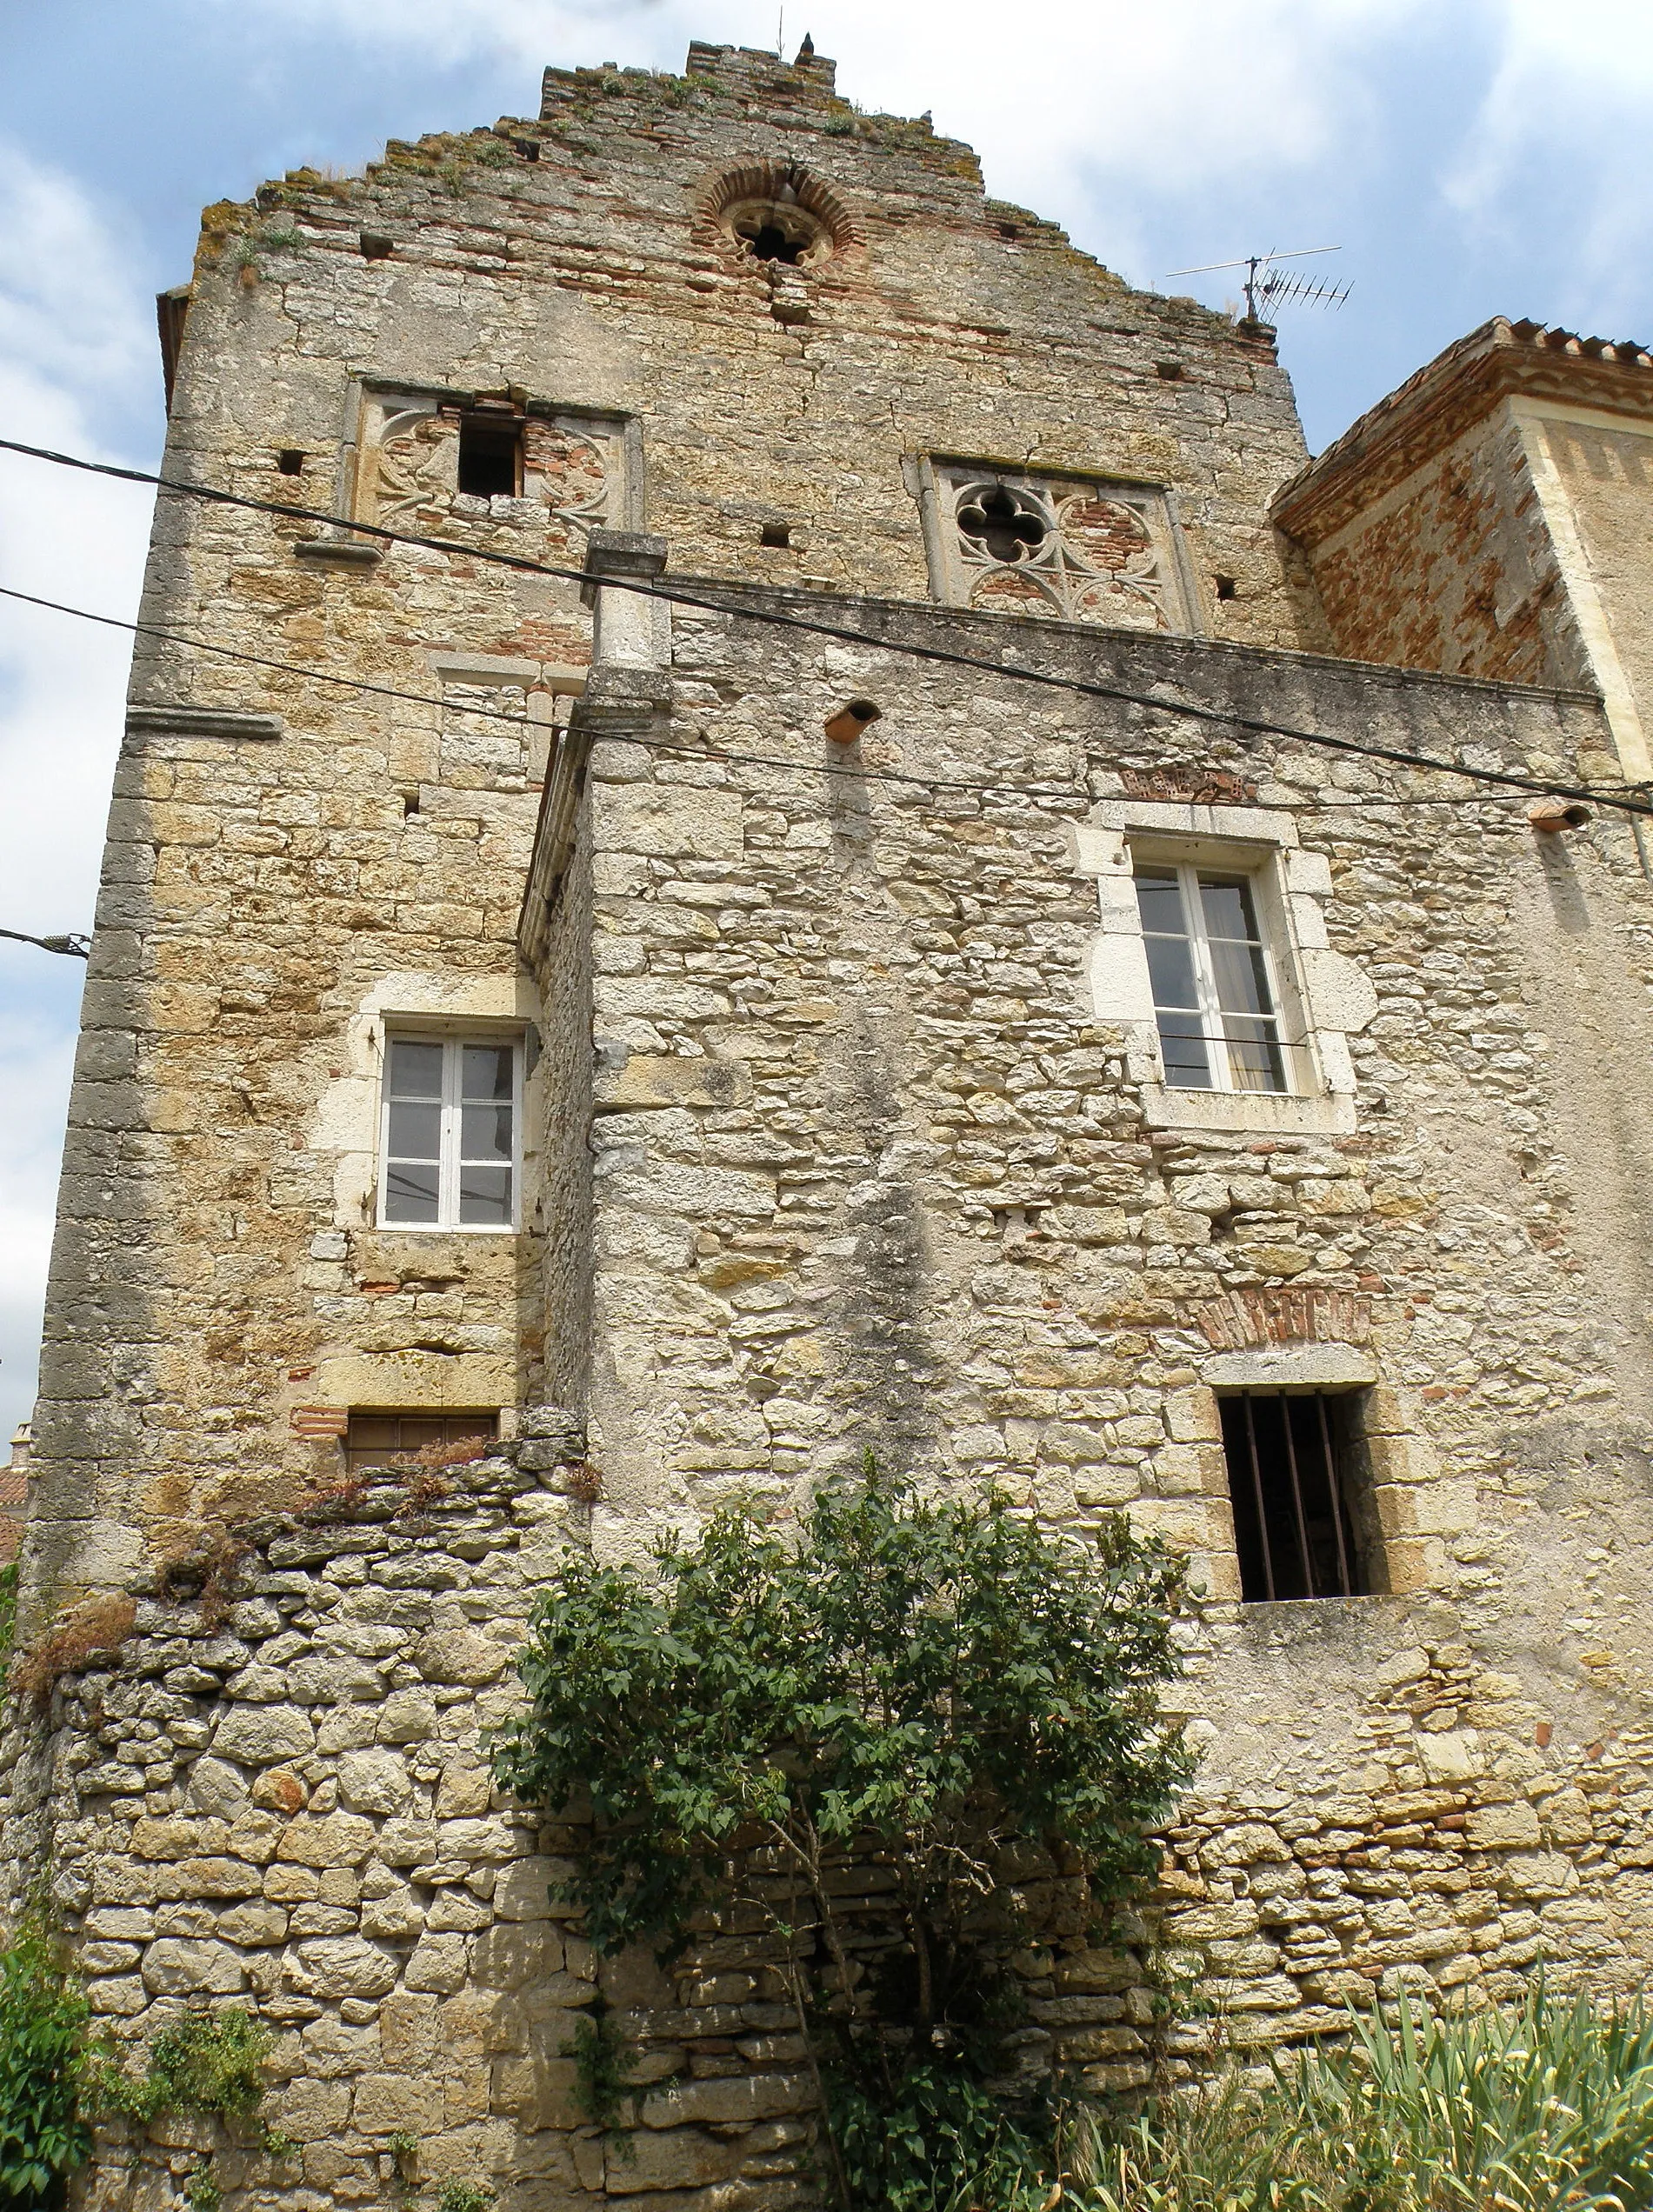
<point>74,333</point>
<point>1556,150</point>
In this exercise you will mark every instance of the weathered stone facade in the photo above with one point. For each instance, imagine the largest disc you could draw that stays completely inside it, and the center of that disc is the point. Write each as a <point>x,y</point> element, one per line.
<point>846,1117</point>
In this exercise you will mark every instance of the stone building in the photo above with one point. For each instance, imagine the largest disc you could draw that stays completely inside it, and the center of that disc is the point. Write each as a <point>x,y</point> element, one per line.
<point>878,861</point>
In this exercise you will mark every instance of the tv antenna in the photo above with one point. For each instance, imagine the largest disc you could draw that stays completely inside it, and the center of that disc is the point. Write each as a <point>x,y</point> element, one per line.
<point>1269,286</point>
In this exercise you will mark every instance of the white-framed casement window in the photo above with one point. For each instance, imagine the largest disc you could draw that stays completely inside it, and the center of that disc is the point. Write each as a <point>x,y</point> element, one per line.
<point>1216,1001</point>
<point>450,1132</point>
<point>1212,961</point>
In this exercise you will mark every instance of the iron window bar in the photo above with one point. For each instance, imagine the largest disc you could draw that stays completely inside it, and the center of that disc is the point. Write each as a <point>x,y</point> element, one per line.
<point>1291,1523</point>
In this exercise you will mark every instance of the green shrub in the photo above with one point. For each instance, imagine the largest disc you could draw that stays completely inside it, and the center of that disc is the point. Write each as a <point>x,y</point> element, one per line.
<point>940,2141</point>
<point>43,2036</point>
<point>940,1684</point>
<point>203,2063</point>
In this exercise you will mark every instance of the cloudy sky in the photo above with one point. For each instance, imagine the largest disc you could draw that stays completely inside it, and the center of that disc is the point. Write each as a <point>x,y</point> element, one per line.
<point>1470,157</point>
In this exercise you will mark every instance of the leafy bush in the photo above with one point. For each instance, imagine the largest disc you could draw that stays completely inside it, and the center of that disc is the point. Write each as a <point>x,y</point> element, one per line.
<point>940,1685</point>
<point>939,2142</point>
<point>201,2064</point>
<point>42,2033</point>
<point>1546,2106</point>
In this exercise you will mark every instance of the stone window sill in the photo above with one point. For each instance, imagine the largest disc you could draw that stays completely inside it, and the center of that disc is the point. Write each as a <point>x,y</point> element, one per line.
<point>1264,1113</point>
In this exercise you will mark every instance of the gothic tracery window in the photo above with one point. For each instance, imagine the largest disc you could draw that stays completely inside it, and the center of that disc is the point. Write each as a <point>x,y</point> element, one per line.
<point>425,461</point>
<point>1073,548</point>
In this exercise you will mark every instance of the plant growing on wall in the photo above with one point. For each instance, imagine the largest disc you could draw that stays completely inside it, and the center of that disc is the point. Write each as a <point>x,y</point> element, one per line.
<point>939,1686</point>
<point>54,2076</point>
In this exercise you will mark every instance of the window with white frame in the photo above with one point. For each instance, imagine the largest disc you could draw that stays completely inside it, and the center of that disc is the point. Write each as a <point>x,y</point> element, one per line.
<point>1215,1001</point>
<point>1212,961</point>
<point>450,1132</point>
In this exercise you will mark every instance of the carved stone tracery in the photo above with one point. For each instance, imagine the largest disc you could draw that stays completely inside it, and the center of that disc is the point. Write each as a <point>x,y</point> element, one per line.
<point>573,470</point>
<point>1079,553</point>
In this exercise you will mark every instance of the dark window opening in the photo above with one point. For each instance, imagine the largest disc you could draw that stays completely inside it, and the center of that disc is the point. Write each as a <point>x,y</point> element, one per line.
<point>489,458</point>
<point>996,520</point>
<point>768,241</point>
<point>290,461</point>
<point>528,148</point>
<point>410,804</point>
<point>374,1438</point>
<point>376,246</point>
<point>775,534</point>
<point>1299,1501</point>
<point>1170,370</point>
<point>1227,587</point>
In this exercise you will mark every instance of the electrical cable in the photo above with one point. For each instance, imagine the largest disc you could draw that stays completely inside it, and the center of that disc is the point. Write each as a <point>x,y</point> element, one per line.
<point>977,786</point>
<point>677,594</point>
<point>77,947</point>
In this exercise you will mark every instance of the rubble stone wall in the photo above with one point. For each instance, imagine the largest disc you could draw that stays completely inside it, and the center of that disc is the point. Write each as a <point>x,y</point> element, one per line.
<point>292,860</point>
<point>275,1794</point>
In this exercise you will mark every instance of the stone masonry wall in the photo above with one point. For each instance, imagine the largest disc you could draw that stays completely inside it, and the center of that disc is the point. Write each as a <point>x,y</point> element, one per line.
<point>275,1794</point>
<point>870,1170</point>
<point>291,861</point>
<point>837,1137</point>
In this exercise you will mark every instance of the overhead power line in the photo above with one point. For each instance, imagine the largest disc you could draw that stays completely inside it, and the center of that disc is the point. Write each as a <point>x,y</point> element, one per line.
<point>717,603</point>
<point>856,770</point>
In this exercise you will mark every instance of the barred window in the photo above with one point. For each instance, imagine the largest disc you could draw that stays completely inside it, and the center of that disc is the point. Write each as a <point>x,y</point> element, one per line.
<point>1296,1487</point>
<point>375,1438</point>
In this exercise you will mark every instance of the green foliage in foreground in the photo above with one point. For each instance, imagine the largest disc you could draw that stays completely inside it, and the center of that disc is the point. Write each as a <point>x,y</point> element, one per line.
<point>1545,2107</point>
<point>42,2037</point>
<point>938,1685</point>
<point>54,2077</point>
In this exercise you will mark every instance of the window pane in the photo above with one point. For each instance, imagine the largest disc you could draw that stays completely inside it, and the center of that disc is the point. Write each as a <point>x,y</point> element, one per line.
<point>1159,901</point>
<point>484,1132</point>
<point>416,1131</point>
<point>484,1196</point>
<point>415,1070</point>
<point>1242,979</point>
<point>1255,1062</point>
<point>1171,969</point>
<point>1188,1064</point>
<point>410,1192</point>
<point>1226,901</point>
<point>488,1070</point>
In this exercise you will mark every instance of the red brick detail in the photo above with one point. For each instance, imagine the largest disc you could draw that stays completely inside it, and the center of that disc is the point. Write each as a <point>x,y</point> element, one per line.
<point>320,1421</point>
<point>1189,786</point>
<point>1240,1318</point>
